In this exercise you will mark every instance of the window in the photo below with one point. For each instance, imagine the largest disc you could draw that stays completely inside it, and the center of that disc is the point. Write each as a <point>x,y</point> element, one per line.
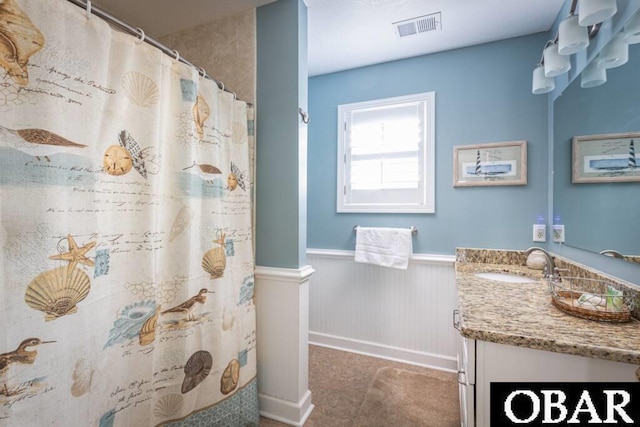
<point>386,155</point>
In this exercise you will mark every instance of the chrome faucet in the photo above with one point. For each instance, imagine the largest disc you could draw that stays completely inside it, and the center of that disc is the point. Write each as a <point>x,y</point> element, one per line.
<point>550,271</point>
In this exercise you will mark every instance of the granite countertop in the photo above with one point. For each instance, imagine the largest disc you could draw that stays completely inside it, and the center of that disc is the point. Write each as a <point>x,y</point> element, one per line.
<point>522,314</point>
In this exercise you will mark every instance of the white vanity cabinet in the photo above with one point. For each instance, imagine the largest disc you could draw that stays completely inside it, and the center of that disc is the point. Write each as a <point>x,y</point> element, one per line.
<point>466,352</point>
<point>507,363</point>
<point>466,380</point>
<point>514,334</point>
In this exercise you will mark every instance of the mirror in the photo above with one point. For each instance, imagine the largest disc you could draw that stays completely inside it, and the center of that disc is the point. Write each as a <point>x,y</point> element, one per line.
<point>599,216</point>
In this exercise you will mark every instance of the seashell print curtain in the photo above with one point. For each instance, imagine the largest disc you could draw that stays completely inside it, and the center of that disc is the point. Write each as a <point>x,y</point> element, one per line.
<point>126,268</point>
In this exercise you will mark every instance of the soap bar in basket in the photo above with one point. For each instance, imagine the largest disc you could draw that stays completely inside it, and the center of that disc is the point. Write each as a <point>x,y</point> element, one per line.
<point>591,299</point>
<point>614,299</point>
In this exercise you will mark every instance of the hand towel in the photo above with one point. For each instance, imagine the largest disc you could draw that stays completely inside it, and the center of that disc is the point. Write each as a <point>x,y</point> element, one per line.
<point>386,247</point>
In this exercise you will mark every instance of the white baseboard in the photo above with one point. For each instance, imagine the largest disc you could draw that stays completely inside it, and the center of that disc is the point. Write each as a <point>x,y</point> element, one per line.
<point>381,351</point>
<point>293,414</point>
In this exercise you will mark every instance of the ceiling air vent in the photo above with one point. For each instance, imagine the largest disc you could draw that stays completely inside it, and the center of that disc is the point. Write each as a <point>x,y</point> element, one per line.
<point>419,24</point>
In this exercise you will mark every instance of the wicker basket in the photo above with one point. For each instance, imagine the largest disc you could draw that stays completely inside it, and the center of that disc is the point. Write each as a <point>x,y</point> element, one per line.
<point>588,299</point>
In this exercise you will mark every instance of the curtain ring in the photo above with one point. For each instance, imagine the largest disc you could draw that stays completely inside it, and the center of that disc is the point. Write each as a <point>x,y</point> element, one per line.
<point>141,35</point>
<point>221,84</point>
<point>175,52</point>
<point>202,72</point>
<point>234,95</point>
<point>88,9</point>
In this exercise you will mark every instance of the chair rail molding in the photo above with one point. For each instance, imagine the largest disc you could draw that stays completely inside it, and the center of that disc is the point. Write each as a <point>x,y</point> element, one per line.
<point>415,258</point>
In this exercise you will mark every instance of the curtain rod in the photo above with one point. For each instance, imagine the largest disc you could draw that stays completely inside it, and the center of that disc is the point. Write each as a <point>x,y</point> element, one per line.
<point>139,32</point>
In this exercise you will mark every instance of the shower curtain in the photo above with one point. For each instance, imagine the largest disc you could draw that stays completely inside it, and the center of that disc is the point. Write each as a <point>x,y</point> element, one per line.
<point>126,271</point>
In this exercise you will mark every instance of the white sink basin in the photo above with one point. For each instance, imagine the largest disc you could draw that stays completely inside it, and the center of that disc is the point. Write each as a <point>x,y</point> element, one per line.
<point>505,277</point>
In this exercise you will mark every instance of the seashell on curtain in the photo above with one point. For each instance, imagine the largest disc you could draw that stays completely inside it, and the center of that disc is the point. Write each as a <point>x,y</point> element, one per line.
<point>140,89</point>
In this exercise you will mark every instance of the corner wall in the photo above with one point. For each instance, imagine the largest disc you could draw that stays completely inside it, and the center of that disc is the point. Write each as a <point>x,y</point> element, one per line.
<point>225,48</point>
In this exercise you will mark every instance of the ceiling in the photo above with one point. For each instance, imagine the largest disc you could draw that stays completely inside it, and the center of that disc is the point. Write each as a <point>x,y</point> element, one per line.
<point>345,34</point>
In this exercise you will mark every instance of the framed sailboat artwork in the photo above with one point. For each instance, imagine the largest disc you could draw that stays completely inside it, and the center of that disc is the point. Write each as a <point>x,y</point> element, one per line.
<point>613,157</point>
<point>497,163</point>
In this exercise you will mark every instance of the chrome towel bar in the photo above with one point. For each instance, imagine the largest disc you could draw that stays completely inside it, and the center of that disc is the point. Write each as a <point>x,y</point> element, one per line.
<point>414,229</point>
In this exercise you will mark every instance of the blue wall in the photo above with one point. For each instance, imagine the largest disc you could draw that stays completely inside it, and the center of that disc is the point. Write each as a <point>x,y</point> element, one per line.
<point>483,94</point>
<point>281,29</point>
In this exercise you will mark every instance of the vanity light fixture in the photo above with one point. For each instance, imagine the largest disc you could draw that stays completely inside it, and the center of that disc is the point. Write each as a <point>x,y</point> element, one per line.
<point>593,76</point>
<point>572,37</point>
<point>614,54</point>
<point>631,33</point>
<point>541,83</point>
<point>592,12</point>
<point>574,34</point>
<point>554,63</point>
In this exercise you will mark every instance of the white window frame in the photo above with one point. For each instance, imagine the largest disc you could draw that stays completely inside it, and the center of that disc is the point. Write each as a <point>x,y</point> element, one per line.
<point>427,168</point>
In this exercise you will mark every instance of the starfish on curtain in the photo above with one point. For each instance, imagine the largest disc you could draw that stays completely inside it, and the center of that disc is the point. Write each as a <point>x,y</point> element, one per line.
<point>75,254</point>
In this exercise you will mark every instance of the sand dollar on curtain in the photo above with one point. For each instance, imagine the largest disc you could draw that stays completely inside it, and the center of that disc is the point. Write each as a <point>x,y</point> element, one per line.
<point>126,275</point>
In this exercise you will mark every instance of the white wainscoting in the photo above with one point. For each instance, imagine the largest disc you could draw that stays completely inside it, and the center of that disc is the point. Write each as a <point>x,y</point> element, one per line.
<point>383,312</point>
<point>282,311</point>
